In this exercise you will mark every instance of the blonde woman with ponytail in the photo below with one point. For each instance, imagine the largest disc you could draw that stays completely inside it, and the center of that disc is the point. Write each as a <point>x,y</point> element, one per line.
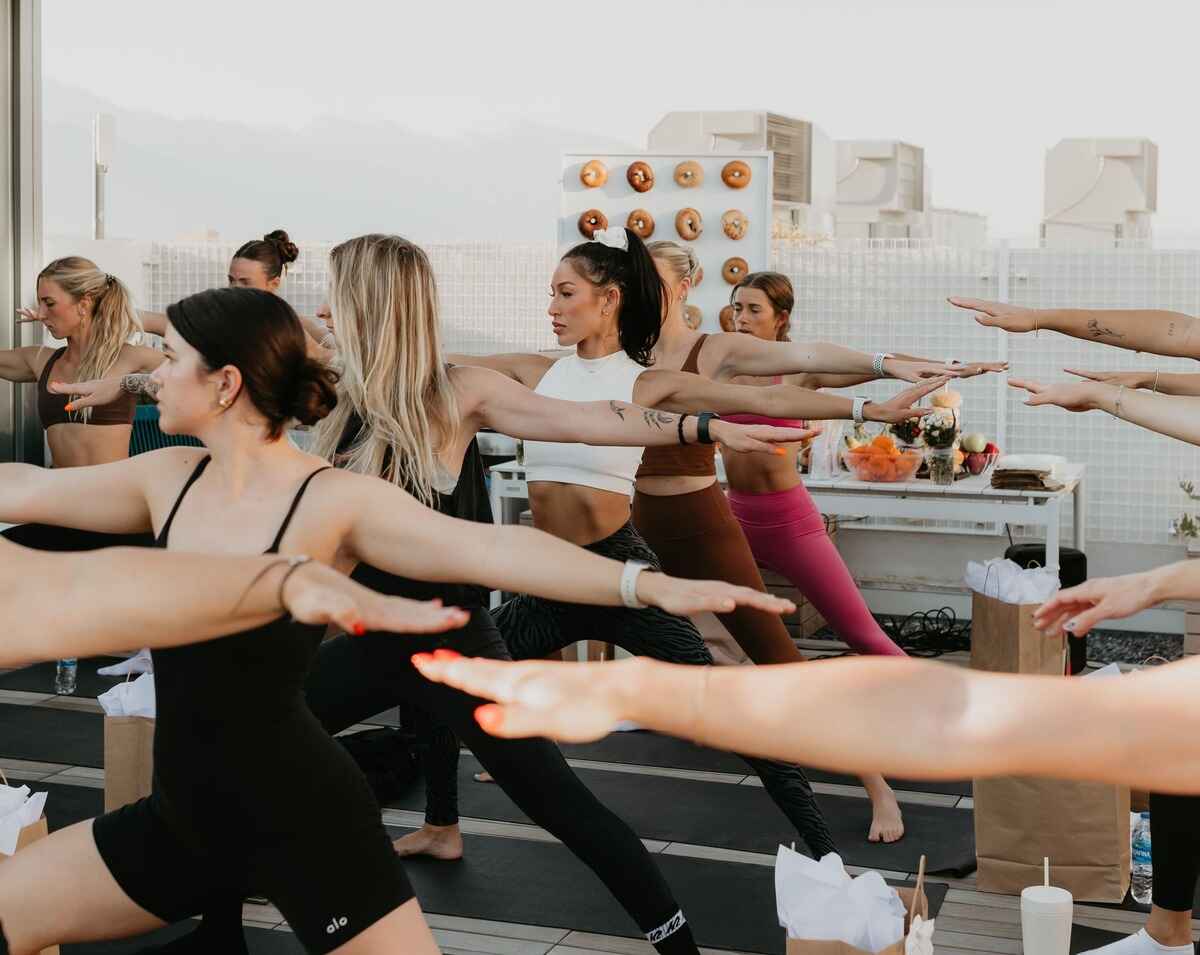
<point>94,313</point>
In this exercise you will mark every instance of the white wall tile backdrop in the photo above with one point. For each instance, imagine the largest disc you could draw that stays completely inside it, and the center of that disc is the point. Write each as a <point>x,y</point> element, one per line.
<point>877,295</point>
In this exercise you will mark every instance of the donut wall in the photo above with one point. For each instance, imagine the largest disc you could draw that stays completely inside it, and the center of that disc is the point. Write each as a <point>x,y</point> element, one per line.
<point>718,203</point>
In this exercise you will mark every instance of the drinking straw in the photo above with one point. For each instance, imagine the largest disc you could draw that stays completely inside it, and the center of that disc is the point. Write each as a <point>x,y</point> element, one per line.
<point>1046,868</point>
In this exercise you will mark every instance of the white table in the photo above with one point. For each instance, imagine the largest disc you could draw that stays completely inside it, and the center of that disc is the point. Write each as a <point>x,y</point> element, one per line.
<point>970,500</point>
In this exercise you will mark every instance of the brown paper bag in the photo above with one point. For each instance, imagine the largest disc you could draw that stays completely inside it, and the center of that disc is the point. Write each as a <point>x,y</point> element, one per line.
<point>1004,639</point>
<point>128,760</point>
<point>915,903</point>
<point>27,836</point>
<point>1082,827</point>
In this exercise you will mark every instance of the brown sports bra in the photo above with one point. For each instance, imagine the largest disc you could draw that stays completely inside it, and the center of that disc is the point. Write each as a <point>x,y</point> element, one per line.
<point>681,460</point>
<point>52,409</point>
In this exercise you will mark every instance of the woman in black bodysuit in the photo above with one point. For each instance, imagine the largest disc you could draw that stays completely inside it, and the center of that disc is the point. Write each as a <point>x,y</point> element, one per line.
<point>285,813</point>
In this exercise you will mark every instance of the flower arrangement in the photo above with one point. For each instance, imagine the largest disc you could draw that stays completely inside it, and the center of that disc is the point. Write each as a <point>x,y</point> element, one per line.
<point>907,431</point>
<point>941,428</point>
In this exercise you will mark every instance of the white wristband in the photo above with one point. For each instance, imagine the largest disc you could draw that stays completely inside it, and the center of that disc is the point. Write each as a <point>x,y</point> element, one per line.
<point>856,410</point>
<point>877,362</point>
<point>629,578</point>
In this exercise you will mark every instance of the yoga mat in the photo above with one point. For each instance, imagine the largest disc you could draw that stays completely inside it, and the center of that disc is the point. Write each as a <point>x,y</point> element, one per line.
<point>260,941</point>
<point>651,749</point>
<point>39,678</point>
<point>729,904</point>
<point>740,817</point>
<point>46,735</point>
<point>67,805</point>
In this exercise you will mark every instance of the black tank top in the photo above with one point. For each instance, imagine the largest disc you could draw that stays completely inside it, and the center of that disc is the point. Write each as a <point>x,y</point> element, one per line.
<point>232,720</point>
<point>468,501</point>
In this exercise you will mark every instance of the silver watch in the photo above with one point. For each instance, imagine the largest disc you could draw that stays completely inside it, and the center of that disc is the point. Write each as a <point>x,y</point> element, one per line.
<point>856,409</point>
<point>877,362</point>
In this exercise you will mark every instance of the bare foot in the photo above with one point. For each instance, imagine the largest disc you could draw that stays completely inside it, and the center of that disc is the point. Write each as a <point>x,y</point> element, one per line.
<point>483,777</point>
<point>887,822</point>
<point>438,842</point>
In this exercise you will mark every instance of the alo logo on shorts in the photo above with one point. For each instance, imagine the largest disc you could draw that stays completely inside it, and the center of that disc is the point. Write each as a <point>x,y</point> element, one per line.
<point>336,924</point>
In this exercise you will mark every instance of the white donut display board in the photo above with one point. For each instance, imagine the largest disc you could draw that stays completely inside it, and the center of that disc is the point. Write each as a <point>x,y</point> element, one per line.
<point>712,199</point>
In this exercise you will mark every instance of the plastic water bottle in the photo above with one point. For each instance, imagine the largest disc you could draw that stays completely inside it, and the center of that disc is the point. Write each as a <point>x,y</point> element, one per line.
<point>64,677</point>
<point>1143,870</point>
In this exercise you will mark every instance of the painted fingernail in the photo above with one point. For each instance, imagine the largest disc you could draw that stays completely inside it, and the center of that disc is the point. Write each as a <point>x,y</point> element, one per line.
<point>358,628</point>
<point>781,451</point>
<point>488,716</point>
<point>444,654</point>
<point>420,659</point>
<point>68,406</point>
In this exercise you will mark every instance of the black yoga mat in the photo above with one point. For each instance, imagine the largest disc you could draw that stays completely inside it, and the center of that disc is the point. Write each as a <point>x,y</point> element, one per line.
<point>740,817</point>
<point>651,749</point>
<point>729,905</point>
<point>47,735</point>
<point>67,805</point>
<point>260,941</point>
<point>39,678</point>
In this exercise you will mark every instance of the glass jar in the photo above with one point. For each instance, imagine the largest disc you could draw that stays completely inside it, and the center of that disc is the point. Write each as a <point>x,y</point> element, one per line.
<point>941,465</point>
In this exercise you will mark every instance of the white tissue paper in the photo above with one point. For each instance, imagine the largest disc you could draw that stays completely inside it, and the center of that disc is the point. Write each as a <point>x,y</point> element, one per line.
<point>131,698</point>
<point>140,662</point>
<point>819,901</point>
<point>920,937</point>
<point>18,809</point>
<point>1009,582</point>
<point>1104,672</point>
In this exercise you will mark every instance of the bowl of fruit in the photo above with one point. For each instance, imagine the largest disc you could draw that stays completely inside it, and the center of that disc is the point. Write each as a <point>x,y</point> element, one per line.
<point>883,461</point>
<point>981,453</point>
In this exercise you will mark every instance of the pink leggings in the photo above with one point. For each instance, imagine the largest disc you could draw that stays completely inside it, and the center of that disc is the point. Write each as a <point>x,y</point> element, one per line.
<point>787,533</point>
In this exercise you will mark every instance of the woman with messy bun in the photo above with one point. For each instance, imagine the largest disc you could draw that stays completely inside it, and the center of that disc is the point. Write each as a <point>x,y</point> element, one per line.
<point>261,264</point>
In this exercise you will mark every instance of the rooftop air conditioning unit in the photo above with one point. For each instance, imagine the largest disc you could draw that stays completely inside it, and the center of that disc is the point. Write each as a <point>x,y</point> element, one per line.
<point>881,189</point>
<point>804,188</point>
<point>1100,191</point>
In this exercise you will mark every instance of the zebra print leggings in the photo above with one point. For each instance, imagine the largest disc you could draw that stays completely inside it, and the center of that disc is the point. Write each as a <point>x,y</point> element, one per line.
<point>533,627</point>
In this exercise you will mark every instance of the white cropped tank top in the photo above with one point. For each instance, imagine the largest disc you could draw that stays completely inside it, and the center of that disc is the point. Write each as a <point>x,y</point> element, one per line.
<point>610,378</point>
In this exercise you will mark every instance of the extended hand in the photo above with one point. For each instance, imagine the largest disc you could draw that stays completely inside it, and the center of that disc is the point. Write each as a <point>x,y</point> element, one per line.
<point>685,597</point>
<point>900,407</point>
<point>1011,318</point>
<point>920,370</point>
<point>318,594</point>
<point>1078,609</point>
<point>1079,396</point>
<point>1130,379</point>
<point>90,394</point>
<point>758,437</point>
<point>27,315</point>
<point>973,368</point>
<point>571,702</point>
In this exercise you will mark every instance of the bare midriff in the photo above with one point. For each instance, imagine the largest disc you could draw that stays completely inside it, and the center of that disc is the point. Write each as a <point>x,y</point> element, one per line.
<point>671,485</point>
<point>752,473</point>
<point>581,515</point>
<point>76,445</point>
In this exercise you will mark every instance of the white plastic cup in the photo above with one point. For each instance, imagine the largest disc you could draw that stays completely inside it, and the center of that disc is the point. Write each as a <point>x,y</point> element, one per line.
<point>1046,912</point>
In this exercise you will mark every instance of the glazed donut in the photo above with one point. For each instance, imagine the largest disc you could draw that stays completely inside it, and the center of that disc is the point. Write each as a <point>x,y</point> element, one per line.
<point>726,319</point>
<point>640,223</point>
<point>735,224</point>
<point>594,174</point>
<point>688,224</point>
<point>736,174</point>
<point>692,316</point>
<point>592,222</point>
<point>735,269</point>
<point>689,174</point>
<point>640,176</point>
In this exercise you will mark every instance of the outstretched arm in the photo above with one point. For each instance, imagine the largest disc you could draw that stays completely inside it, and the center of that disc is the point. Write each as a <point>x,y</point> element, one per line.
<point>926,720</point>
<point>1150,330</point>
<point>821,380</point>
<point>1156,382</point>
<point>682,391</point>
<point>497,402</point>
<point>76,605</point>
<point>390,530</point>
<point>519,366</point>
<point>109,498</point>
<point>1174,417</point>
<point>746,355</point>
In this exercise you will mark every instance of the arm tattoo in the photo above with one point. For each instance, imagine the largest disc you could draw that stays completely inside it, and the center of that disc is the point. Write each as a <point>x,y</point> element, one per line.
<point>1096,330</point>
<point>658,419</point>
<point>616,409</point>
<point>139,385</point>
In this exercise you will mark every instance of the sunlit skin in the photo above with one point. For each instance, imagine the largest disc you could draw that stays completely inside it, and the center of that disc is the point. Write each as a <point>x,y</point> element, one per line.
<point>753,314</point>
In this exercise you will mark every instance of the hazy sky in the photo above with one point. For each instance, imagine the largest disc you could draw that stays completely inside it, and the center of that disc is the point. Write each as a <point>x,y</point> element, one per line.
<point>984,86</point>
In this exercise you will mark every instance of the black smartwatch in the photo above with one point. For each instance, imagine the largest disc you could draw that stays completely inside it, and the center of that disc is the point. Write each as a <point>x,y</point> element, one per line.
<point>702,420</point>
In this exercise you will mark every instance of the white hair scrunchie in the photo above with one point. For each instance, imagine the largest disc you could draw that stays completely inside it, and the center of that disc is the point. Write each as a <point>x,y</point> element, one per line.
<point>615,237</point>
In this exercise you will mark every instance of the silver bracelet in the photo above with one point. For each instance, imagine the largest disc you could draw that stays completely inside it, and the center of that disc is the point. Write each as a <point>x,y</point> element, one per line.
<point>629,578</point>
<point>1154,390</point>
<point>877,363</point>
<point>1117,403</point>
<point>856,409</point>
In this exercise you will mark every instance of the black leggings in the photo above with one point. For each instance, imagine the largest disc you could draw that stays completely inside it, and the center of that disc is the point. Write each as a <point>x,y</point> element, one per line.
<point>1175,842</point>
<point>357,677</point>
<point>533,627</point>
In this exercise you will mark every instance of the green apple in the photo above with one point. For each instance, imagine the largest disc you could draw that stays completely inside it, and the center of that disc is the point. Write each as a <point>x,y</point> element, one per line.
<point>974,443</point>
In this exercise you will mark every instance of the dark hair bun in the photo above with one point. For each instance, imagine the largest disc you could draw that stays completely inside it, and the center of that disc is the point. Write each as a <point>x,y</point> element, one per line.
<point>288,250</point>
<point>314,392</point>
